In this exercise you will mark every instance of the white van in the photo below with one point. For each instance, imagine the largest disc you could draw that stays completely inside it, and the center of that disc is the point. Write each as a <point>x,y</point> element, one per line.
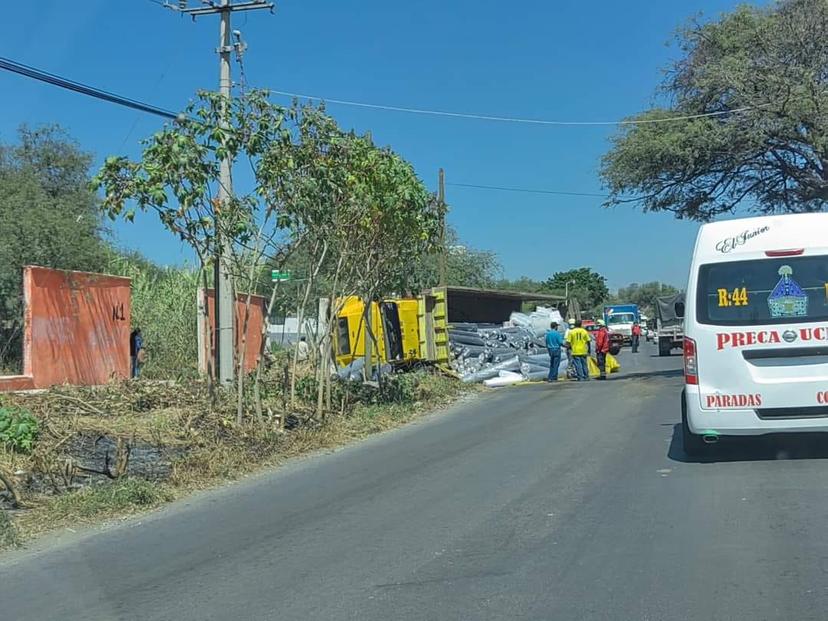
<point>756,329</point>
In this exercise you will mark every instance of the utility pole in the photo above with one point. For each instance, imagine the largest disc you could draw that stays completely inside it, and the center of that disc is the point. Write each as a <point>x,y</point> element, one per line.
<point>441,198</point>
<point>224,307</point>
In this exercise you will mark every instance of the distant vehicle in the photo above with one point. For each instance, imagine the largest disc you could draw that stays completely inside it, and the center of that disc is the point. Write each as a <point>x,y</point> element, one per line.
<point>646,327</point>
<point>756,329</point>
<point>616,339</point>
<point>620,319</point>
<point>670,327</point>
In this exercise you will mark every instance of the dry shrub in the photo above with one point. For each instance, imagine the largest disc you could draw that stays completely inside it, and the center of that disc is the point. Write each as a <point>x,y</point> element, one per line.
<point>211,447</point>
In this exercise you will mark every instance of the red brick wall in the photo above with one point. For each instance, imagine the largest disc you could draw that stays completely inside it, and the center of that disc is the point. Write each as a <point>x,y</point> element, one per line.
<point>77,327</point>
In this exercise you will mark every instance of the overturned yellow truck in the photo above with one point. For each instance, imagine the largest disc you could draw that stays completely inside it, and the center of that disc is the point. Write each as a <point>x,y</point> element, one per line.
<point>415,329</point>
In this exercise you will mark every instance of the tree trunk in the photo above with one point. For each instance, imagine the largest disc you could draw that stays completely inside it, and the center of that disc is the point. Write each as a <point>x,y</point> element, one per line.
<point>257,397</point>
<point>300,317</point>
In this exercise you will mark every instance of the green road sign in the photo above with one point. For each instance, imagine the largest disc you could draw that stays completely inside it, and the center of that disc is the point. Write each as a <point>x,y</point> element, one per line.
<point>277,276</point>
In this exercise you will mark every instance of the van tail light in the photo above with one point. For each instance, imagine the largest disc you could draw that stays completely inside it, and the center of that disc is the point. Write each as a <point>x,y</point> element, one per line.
<point>691,362</point>
<point>790,252</point>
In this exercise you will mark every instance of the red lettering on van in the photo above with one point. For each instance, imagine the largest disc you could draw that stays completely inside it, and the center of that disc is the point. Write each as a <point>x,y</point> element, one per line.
<point>750,337</point>
<point>822,397</point>
<point>722,340</point>
<point>737,401</point>
<point>820,334</point>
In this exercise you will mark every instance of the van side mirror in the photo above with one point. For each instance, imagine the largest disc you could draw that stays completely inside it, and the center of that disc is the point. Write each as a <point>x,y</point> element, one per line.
<point>679,307</point>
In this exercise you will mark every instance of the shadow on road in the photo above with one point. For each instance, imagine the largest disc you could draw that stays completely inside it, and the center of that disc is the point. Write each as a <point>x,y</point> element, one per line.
<point>759,448</point>
<point>639,374</point>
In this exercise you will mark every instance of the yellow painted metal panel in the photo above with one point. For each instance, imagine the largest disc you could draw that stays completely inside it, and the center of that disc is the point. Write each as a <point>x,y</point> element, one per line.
<point>408,310</point>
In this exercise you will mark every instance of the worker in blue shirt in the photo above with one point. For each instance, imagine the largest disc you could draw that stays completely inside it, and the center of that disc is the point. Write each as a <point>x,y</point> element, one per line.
<point>554,341</point>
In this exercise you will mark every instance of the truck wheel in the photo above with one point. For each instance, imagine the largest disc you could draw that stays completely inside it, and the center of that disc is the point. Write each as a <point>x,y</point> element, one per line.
<point>664,347</point>
<point>694,445</point>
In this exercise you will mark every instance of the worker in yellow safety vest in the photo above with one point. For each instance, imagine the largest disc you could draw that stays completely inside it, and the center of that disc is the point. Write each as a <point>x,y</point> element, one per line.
<point>577,342</point>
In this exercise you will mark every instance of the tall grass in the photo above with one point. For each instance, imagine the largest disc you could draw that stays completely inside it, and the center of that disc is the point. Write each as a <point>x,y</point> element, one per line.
<point>164,307</point>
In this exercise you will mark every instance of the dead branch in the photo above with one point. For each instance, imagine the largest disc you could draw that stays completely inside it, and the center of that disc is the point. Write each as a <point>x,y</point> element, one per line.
<point>6,480</point>
<point>89,407</point>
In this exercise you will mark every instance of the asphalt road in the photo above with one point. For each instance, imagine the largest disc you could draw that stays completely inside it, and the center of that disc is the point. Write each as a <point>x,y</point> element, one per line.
<point>544,502</point>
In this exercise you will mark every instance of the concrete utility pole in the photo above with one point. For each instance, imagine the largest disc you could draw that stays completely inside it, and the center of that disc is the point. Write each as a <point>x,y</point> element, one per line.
<point>224,315</point>
<point>441,197</point>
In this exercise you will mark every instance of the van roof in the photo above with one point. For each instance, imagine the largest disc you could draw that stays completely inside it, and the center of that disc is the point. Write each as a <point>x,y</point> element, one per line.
<point>749,238</point>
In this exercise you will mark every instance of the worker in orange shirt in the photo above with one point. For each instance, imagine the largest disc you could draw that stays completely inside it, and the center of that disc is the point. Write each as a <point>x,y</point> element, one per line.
<point>602,347</point>
<point>635,337</point>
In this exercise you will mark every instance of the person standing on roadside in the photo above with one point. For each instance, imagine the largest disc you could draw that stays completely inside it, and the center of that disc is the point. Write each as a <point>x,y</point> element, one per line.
<point>635,337</point>
<point>602,347</point>
<point>302,349</point>
<point>554,341</point>
<point>578,342</point>
<point>136,352</point>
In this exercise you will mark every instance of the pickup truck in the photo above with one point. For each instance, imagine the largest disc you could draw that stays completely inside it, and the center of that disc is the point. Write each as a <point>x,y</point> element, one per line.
<point>669,323</point>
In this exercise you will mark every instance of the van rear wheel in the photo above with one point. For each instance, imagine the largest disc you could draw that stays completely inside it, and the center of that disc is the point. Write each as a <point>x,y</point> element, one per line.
<point>694,445</point>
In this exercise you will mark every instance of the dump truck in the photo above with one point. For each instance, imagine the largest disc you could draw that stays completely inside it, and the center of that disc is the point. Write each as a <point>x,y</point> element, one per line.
<point>669,324</point>
<point>393,323</point>
<point>415,329</point>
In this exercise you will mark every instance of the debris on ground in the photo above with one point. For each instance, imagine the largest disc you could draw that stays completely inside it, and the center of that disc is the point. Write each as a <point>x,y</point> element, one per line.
<point>482,352</point>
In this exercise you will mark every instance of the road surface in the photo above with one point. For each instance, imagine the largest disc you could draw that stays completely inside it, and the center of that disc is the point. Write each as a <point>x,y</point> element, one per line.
<point>543,502</point>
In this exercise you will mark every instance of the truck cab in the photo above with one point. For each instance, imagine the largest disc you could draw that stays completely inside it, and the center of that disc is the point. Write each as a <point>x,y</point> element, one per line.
<point>620,319</point>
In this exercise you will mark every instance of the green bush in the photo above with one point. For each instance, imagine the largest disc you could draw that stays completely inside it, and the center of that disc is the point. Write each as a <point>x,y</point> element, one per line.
<point>306,388</point>
<point>399,388</point>
<point>18,428</point>
<point>395,388</point>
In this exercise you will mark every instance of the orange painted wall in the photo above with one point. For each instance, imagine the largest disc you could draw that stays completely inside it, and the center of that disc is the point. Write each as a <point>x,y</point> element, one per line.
<point>77,327</point>
<point>255,322</point>
<point>16,382</point>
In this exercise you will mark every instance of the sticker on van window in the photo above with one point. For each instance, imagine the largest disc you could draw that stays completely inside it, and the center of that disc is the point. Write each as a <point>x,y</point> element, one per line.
<point>733,340</point>
<point>787,299</point>
<point>737,297</point>
<point>731,243</point>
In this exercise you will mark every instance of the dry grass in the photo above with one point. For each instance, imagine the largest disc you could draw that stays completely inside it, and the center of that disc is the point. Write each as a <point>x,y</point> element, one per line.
<point>9,537</point>
<point>179,415</point>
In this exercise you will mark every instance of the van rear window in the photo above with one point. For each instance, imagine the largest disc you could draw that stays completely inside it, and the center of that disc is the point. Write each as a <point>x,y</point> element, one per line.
<point>763,291</point>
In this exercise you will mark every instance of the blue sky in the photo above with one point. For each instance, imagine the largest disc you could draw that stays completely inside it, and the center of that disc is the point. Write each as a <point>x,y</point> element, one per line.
<point>553,60</point>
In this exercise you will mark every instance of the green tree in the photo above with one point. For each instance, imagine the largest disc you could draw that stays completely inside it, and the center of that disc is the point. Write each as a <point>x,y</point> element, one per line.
<point>644,294</point>
<point>49,217</point>
<point>523,283</point>
<point>465,266</point>
<point>354,216</point>
<point>586,285</point>
<point>753,89</point>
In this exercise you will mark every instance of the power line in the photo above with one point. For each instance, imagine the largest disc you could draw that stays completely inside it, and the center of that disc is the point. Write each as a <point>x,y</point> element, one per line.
<point>78,87</point>
<point>84,89</point>
<point>508,119</point>
<point>525,190</point>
